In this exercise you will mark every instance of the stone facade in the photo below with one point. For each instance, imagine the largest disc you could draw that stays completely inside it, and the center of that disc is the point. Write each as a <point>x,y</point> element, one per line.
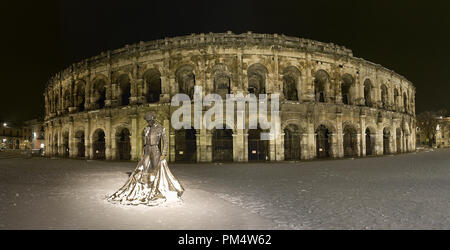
<point>332,103</point>
<point>443,133</point>
<point>15,136</point>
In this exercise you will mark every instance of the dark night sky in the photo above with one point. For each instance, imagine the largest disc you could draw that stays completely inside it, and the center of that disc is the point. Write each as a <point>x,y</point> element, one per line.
<point>39,39</point>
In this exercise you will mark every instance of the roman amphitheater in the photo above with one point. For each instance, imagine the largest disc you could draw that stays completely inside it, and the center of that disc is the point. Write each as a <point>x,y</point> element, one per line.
<point>332,104</point>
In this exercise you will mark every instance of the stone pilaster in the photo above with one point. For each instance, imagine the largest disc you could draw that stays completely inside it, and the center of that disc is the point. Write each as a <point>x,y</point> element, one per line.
<point>362,125</point>
<point>340,136</point>
<point>134,137</point>
<point>108,138</point>
<point>87,140</point>
<point>72,150</point>
<point>172,142</point>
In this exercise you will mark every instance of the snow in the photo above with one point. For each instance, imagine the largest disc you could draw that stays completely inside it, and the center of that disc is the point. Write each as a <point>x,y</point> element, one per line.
<point>410,191</point>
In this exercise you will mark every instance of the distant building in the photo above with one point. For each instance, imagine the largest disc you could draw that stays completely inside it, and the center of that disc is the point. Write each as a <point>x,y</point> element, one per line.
<point>443,133</point>
<point>28,135</point>
<point>34,135</point>
<point>11,136</point>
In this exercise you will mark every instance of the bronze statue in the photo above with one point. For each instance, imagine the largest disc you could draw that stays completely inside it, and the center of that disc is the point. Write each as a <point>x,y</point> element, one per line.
<point>151,183</point>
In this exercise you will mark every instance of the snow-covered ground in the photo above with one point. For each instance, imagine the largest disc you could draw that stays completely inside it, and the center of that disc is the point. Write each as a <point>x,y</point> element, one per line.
<point>410,191</point>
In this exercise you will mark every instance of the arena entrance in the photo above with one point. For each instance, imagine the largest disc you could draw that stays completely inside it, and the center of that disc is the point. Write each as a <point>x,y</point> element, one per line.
<point>386,137</point>
<point>66,148</point>
<point>258,150</point>
<point>350,142</point>
<point>323,142</point>
<point>370,142</point>
<point>123,144</point>
<point>222,142</point>
<point>292,140</point>
<point>79,137</point>
<point>185,145</point>
<point>99,145</point>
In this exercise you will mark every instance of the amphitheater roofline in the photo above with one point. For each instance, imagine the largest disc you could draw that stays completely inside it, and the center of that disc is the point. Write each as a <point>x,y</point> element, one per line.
<point>228,38</point>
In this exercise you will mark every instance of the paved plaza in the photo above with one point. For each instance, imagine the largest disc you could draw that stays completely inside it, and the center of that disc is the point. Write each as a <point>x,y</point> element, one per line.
<point>410,191</point>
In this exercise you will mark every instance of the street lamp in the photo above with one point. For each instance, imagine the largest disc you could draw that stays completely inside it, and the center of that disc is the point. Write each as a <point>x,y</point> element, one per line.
<point>5,124</point>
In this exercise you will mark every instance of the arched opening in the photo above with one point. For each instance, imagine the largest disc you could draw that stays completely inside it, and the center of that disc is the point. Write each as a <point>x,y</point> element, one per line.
<point>222,85</point>
<point>123,144</point>
<point>186,80</point>
<point>350,142</point>
<point>291,77</point>
<point>185,145</point>
<point>323,142</point>
<point>398,140</point>
<point>292,143</point>
<point>386,141</point>
<point>321,79</point>
<point>368,93</point>
<point>67,100</point>
<point>257,74</point>
<point>55,145</point>
<point>396,97</point>
<point>152,80</point>
<point>222,145</point>
<point>98,146</point>
<point>384,96</point>
<point>125,89</point>
<point>99,93</point>
<point>347,83</point>
<point>80,144</point>
<point>370,142</point>
<point>65,145</point>
<point>258,150</point>
<point>80,93</point>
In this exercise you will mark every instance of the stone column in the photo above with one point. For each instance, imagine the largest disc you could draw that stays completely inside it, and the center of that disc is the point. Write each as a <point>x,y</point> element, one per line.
<point>278,138</point>
<point>312,152</point>
<point>239,146</point>
<point>172,146</point>
<point>87,94</point>
<point>281,147</point>
<point>60,142</point>
<point>140,98</point>
<point>272,146</point>
<point>72,150</point>
<point>134,137</point>
<point>339,139</point>
<point>49,136</point>
<point>108,138</point>
<point>358,144</point>
<point>204,146</point>
<point>334,148</point>
<point>166,125</point>
<point>114,95</point>
<point>379,142</point>
<point>165,89</point>
<point>304,147</point>
<point>109,97</point>
<point>87,140</point>
<point>308,84</point>
<point>114,155</point>
<point>362,124</point>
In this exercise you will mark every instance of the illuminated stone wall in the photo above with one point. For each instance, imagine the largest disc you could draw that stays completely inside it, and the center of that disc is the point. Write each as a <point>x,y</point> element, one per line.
<point>332,103</point>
